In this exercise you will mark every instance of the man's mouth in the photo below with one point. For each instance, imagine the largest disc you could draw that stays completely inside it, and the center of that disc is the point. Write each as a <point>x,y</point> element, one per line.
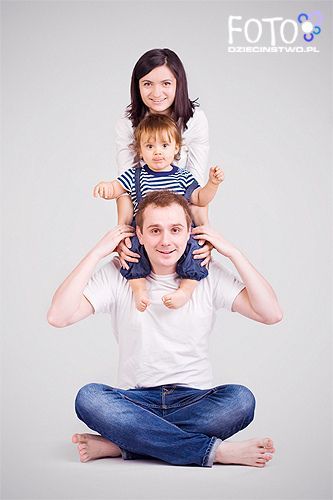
<point>166,252</point>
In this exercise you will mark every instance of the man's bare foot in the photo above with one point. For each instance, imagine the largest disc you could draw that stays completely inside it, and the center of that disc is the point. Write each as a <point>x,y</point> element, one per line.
<point>92,446</point>
<point>254,452</point>
<point>141,301</point>
<point>176,299</point>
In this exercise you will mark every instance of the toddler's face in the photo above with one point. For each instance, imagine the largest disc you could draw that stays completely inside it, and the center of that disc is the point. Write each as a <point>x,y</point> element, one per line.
<point>158,152</point>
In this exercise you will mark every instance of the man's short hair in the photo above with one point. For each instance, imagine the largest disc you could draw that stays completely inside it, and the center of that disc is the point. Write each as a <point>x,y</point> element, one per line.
<point>163,198</point>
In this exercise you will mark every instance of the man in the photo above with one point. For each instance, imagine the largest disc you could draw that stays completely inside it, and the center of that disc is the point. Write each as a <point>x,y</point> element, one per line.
<point>164,406</point>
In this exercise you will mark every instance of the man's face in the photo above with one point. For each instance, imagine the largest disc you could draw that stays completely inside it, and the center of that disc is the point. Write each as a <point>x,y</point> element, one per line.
<point>164,236</point>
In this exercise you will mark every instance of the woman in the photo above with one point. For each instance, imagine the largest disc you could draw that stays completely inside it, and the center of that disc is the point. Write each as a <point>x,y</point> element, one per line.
<point>159,85</point>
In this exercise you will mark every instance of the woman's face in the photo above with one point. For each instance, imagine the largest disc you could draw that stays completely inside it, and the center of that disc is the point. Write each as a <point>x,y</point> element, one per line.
<point>158,89</point>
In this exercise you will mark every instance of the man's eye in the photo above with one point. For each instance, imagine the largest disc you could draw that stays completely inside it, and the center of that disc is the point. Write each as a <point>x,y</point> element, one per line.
<point>176,229</point>
<point>154,231</point>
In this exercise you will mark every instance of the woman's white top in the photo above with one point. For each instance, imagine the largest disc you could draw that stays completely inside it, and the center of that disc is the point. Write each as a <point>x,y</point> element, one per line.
<point>193,153</point>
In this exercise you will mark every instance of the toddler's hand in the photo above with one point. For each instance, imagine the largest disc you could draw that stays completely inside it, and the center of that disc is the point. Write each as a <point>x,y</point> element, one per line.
<point>103,190</point>
<point>216,175</point>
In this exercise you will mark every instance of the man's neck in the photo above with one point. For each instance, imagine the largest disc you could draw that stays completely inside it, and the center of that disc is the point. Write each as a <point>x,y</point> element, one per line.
<point>163,271</point>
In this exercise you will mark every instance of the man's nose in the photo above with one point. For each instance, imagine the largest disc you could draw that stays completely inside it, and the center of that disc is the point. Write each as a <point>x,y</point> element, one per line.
<point>165,239</point>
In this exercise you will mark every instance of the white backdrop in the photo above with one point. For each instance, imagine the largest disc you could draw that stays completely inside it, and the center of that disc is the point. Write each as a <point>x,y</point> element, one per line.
<point>66,73</point>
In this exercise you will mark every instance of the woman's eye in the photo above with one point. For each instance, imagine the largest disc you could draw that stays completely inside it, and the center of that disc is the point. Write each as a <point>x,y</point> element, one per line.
<point>166,84</point>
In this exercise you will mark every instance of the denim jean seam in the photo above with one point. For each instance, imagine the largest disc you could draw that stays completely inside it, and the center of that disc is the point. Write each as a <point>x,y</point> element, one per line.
<point>193,401</point>
<point>140,403</point>
<point>206,457</point>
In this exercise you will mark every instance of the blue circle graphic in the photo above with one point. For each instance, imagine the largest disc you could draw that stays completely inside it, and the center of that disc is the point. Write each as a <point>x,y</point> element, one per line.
<point>308,39</point>
<point>300,20</point>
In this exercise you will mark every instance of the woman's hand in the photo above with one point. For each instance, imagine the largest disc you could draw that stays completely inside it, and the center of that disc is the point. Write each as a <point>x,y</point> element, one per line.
<point>125,254</point>
<point>205,252</point>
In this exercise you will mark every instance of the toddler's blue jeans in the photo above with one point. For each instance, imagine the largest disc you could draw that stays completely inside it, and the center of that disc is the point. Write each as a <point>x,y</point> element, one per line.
<point>177,424</point>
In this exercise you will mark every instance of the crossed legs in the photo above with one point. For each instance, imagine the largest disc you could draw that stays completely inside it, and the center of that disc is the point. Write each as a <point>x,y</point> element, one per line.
<point>124,425</point>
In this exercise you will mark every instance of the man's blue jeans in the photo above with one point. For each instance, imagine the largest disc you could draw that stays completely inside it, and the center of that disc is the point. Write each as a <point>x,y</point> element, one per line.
<point>174,423</point>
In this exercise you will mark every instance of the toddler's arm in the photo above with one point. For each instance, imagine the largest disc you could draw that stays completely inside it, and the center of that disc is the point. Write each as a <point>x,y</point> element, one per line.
<point>125,210</point>
<point>108,190</point>
<point>203,196</point>
<point>111,190</point>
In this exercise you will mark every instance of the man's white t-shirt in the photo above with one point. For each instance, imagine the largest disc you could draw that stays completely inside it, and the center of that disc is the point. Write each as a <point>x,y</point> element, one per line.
<point>162,346</point>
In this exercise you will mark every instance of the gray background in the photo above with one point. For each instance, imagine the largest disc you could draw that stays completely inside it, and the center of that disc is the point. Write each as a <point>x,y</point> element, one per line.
<point>66,71</point>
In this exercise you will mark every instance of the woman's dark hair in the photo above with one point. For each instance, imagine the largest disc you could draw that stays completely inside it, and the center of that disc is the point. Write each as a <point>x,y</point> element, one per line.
<point>182,108</point>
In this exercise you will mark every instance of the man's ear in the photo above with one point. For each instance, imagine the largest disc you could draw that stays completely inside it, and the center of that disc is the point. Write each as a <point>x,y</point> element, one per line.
<point>139,234</point>
<point>189,232</point>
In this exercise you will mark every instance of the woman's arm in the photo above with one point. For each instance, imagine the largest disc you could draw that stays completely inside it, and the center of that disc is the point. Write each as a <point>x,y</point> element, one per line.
<point>125,157</point>
<point>196,140</point>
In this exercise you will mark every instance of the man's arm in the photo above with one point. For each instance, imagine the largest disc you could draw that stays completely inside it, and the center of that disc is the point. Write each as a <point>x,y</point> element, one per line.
<point>69,305</point>
<point>257,300</point>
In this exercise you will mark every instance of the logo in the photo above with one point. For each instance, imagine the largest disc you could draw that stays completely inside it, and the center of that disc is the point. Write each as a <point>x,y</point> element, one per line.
<point>307,26</point>
<point>274,34</point>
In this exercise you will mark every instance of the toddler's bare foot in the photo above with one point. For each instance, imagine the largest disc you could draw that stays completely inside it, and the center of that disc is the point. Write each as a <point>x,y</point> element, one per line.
<point>254,452</point>
<point>176,299</point>
<point>141,301</point>
<point>92,446</point>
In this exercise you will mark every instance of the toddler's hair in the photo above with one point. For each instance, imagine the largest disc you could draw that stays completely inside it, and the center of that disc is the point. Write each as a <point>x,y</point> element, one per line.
<point>157,125</point>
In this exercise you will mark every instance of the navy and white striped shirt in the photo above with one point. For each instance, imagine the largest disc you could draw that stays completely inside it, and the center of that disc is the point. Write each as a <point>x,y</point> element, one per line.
<point>176,180</point>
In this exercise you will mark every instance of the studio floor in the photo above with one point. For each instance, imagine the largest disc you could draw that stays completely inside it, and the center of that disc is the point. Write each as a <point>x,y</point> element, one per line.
<point>48,468</point>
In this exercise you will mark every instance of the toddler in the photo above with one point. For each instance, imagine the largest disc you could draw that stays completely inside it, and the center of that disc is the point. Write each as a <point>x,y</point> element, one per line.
<point>157,141</point>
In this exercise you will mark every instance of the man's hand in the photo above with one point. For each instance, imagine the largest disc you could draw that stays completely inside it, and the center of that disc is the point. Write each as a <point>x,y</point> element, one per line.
<point>219,243</point>
<point>103,190</point>
<point>216,175</point>
<point>69,304</point>
<point>111,240</point>
<point>205,252</point>
<point>257,300</point>
<point>125,254</point>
